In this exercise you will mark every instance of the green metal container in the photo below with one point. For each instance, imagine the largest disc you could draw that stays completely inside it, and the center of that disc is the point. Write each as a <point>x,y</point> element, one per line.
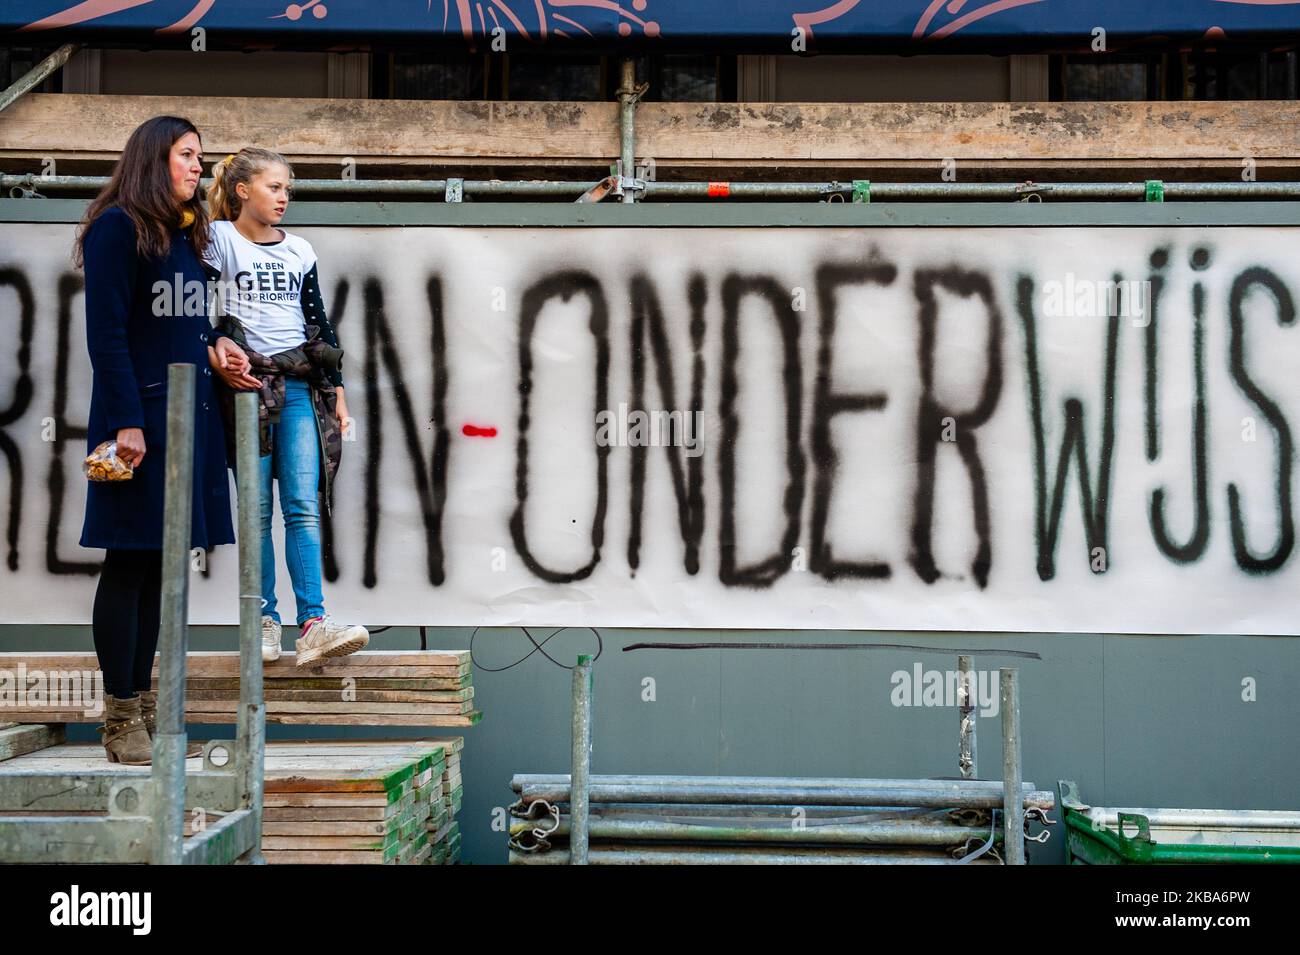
<point>1099,836</point>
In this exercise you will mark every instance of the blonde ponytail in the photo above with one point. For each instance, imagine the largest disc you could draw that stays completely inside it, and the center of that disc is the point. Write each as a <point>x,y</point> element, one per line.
<point>223,200</point>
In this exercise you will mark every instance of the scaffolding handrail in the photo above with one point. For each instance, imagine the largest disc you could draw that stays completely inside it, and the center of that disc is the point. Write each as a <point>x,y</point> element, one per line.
<point>29,185</point>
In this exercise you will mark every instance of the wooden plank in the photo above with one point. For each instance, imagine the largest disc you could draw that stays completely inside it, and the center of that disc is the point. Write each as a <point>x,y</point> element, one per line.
<point>359,748</point>
<point>227,717</point>
<point>322,857</point>
<point>43,124</point>
<point>18,740</point>
<point>334,696</point>
<point>277,707</point>
<point>39,715</point>
<point>330,781</point>
<point>337,814</point>
<point>337,719</point>
<point>345,757</point>
<point>414,854</point>
<point>412,658</point>
<point>327,766</point>
<point>277,755</point>
<point>442,833</point>
<point>337,684</point>
<point>337,668</point>
<point>389,846</point>
<point>421,857</point>
<point>331,799</point>
<point>451,745</point>
<point>227,661</point>
<point>332,828</point>
<point>201,663</point>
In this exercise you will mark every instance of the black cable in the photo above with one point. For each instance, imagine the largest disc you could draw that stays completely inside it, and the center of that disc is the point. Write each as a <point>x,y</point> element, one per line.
<point>537,648</point>
<point>829,646</point>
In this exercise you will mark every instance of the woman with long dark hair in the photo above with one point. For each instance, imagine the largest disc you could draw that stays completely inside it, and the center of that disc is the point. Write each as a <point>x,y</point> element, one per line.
<point>142,242</point>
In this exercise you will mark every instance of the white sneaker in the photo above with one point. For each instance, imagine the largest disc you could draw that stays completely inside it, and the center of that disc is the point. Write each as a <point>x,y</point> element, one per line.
<point>325,638</point>
<point>271,635</point>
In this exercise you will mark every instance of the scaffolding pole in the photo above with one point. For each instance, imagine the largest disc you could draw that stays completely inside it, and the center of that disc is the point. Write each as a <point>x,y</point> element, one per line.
<point>168,790</point>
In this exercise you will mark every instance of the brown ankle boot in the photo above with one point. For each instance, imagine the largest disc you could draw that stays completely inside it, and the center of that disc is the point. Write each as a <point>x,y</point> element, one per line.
<point>149,712</point>
<point>125,738</point>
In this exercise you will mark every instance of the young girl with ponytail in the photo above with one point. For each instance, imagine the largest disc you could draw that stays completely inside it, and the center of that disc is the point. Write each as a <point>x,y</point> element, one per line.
<point>271,302</point>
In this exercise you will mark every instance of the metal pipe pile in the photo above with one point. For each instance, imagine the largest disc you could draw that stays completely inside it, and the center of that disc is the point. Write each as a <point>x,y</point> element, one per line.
<point>637,820</point>
<point>583,819</point>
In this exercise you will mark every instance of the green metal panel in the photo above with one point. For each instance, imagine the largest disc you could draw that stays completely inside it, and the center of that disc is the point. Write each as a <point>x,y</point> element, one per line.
<point>1089,842</point>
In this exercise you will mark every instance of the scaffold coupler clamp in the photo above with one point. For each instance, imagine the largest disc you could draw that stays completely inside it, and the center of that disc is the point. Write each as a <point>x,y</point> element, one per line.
<point>26,189</point>
<point>535,810</point>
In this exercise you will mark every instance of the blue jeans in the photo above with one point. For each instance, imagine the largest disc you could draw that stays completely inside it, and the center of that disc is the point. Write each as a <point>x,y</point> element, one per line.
<point>295,463</point>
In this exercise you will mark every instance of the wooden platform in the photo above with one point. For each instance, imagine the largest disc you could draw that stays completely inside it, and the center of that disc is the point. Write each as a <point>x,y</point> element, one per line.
<point>368,802</point>
<point>372,688</point>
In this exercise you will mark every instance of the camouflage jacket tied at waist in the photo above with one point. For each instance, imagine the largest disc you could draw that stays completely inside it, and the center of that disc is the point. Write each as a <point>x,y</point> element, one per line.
<point>310,361</point>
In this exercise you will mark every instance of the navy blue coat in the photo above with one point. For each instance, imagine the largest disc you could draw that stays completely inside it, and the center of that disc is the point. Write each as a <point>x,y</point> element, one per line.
<point>130,348</point>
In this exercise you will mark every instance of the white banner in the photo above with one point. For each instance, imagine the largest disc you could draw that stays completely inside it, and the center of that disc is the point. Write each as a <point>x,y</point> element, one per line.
<point>971,429</point>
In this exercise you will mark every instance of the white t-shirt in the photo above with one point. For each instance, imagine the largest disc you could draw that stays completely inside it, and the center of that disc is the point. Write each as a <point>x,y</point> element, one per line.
<point>261,285</point>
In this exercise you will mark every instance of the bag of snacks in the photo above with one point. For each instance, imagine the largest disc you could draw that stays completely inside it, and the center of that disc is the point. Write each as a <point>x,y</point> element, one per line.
<point>103,464</point>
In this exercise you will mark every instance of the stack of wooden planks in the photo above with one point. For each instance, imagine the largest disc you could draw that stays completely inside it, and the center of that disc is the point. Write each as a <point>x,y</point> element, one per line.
<point>350,802</point>
<point>371,688</point>
<point>369,802</point>
<point>444,830</point>
<point>429,804</point>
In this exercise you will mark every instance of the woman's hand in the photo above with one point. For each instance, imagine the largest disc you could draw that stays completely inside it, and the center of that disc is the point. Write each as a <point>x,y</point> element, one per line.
<point>225,361</point>
<point>231,356</point>
<point>341,409</point>
<point>130,445</point>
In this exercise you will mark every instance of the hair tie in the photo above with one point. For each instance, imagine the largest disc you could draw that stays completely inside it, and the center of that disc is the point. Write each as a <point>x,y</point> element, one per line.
<point>230,157</point>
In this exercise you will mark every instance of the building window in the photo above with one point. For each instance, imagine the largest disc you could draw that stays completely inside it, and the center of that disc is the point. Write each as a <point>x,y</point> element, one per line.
<point>1191,76</point>
<point>418,76</point>
<point>535,76</point>
<point>1109,78</point>
<point>1242,76</point>
<point>549,77</point>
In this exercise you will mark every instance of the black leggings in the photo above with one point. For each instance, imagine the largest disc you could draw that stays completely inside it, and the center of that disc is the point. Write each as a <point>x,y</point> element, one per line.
<point>125,619</point>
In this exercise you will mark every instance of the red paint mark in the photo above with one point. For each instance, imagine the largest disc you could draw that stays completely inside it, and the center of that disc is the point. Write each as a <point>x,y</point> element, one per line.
<point>474,431</point>
<point>719,189</point>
